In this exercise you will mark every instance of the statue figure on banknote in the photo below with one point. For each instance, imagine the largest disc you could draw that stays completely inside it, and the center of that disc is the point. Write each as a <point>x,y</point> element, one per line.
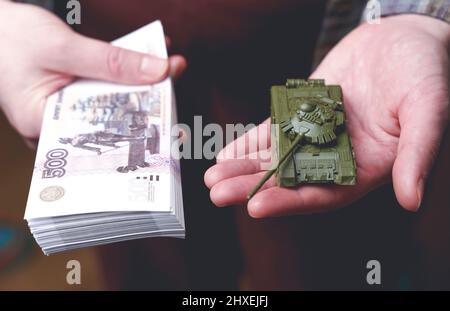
<point>140,127</point>
<point>141,137</point>
<point>100,138</point>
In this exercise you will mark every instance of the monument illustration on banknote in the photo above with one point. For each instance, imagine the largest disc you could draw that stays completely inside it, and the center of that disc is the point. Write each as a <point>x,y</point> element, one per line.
<point>130,118</point>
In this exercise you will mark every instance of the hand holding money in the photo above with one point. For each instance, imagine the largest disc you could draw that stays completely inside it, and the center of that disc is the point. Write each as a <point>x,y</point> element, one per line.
<point>105,169</point>
<point>41,54</point>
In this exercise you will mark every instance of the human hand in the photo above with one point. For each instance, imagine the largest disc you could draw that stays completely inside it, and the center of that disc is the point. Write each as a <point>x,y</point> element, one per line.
<point>40,54</point>
<point>395,83</point>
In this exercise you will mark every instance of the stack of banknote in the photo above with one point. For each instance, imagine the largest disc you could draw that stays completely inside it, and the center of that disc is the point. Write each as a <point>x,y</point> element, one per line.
<point>105,168</point>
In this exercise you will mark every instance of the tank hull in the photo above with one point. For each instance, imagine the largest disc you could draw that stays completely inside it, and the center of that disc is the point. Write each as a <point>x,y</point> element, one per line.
<point>316,163</point>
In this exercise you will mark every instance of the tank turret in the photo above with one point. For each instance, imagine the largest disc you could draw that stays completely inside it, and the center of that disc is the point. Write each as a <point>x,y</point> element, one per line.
<point>310,143</point>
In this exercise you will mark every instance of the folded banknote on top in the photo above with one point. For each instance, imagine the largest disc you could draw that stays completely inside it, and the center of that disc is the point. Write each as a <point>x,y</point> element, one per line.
<point>104,170</point>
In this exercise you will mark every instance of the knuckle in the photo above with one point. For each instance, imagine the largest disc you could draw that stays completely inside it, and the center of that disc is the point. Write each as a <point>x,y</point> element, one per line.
<point>114,61</point>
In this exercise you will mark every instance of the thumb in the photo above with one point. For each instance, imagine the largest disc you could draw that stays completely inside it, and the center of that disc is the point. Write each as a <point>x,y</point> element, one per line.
<point>422,121</point>
<point>90,58</point>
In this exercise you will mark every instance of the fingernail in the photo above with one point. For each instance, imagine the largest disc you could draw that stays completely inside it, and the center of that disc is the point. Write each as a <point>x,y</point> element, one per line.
<point>420,191</point>
<point>153,68</point>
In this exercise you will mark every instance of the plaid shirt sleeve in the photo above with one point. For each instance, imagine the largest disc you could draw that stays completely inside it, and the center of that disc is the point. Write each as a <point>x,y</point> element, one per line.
<point>435,8</point>
<point>342,16</point>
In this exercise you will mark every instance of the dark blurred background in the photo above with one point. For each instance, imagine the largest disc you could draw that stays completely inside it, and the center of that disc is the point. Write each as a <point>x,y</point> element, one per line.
<point>235,51</point>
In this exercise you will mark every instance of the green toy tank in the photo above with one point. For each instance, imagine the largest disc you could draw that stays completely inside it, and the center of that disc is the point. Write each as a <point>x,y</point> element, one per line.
<point>310,143</point>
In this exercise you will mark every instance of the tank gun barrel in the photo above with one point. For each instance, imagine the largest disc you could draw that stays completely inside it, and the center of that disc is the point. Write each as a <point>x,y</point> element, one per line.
<point>269,173</point>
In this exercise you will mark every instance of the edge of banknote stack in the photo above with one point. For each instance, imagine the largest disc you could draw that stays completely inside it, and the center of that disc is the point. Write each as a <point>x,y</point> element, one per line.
<point>105,170</point>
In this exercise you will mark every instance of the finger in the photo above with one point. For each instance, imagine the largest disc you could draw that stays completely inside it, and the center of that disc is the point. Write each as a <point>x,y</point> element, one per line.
<point>234,190</point>
<point>257,138</point>
<point>182,136</point>
<point>177,65</point>
<point>272,200</point>
<point>229,169</point>
<point>90,58</point>
<point>276,201</point>
<point>423,118</point>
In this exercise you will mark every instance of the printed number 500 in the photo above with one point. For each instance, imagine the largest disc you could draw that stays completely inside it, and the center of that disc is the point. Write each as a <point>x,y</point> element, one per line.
<point>54,166</point>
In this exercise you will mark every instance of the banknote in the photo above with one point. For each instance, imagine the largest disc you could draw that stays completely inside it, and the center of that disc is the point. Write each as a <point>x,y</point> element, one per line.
<point>104,168</point>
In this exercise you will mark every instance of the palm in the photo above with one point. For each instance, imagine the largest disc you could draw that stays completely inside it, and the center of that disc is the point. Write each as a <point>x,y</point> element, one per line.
<point>387,78</point>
